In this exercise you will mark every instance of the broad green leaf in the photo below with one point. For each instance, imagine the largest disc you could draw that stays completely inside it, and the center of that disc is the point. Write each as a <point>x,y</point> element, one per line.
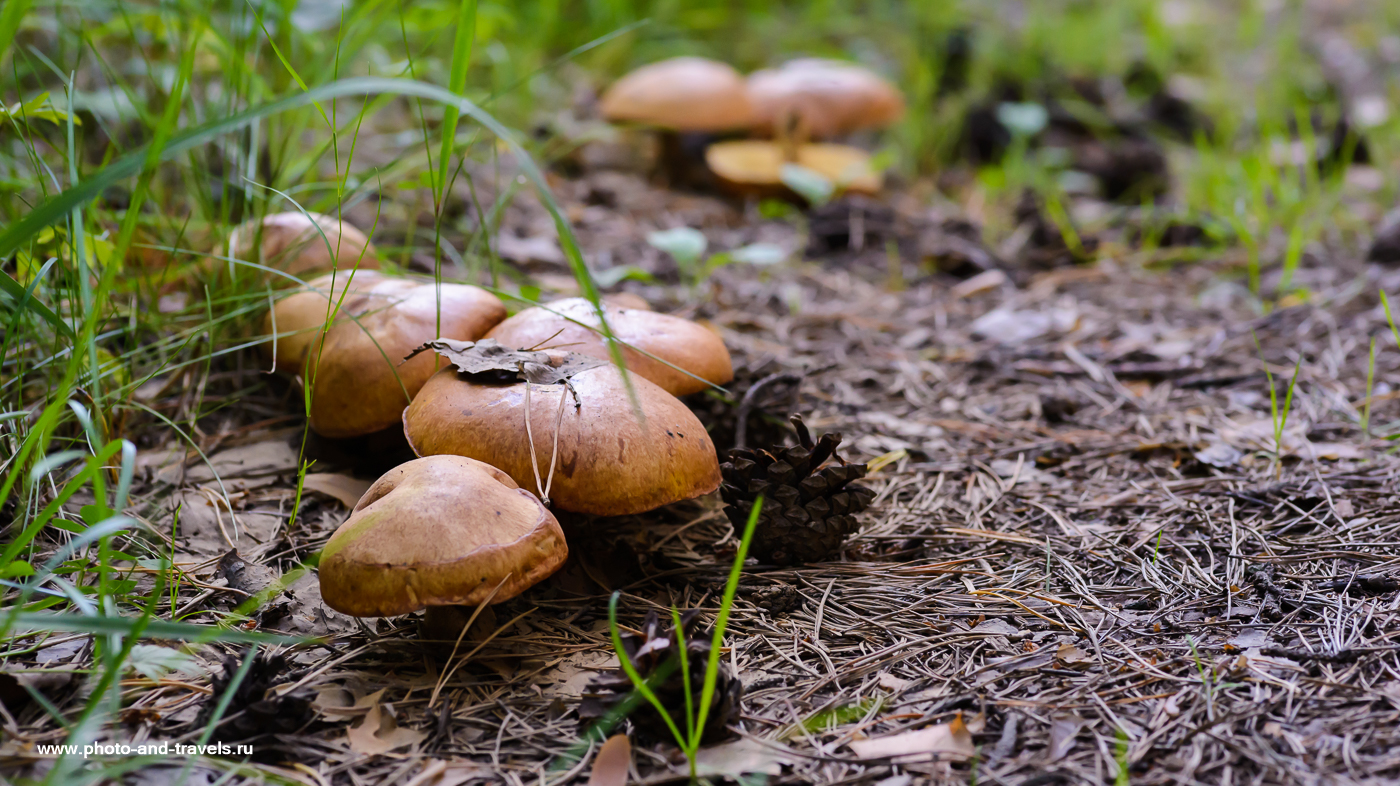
<point>1023,119</point>
<point>614,275</point>
<point>759,254</point>
<point>686,245</point>
<point>16,569</point>
<point>11,13</point>
<point>812,186</point>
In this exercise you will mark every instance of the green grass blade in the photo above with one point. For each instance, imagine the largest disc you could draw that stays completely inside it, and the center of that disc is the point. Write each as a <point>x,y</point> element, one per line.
<point>457,83</point>
<point>133,163</point>
<point>1389,319</point>
<point>10,17</point>
<point>154,629</point>
<point>638,684</point>
<point>24,301</point>
<point>731,588</point>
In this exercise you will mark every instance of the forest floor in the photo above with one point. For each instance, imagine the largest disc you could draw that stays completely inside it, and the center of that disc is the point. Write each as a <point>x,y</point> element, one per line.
<point>1135,465</point>
<point>1087,546</point>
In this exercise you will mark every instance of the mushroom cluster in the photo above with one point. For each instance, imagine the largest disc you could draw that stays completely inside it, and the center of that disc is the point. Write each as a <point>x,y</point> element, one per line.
<point>346,335</point>
<point>513,420</point>
<point>797,109</point>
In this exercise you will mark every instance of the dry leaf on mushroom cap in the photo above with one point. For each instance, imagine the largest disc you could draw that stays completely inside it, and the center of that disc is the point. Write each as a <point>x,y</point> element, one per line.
<point>489,358</point>
<point>587,449</point>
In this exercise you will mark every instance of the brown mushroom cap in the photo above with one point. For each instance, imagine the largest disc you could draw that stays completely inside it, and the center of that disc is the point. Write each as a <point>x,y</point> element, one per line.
<point>293,242</point>
<point>754,166</point>
<point>298,316</point>
<point>443,530</point>
<point>686,344</point>
<point>682,94</point>
<point>828,98</point>
<point>627,300</point>
<point>609,464</point>
<point>362,382</point>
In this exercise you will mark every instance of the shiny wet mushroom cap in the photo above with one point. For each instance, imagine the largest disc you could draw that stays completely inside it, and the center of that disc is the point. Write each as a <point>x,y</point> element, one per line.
<point>302,244</point>
<point>608,462</point>
<point>439,531</point>
<point>361,381</point>
<point>569,325</point>
<point>680,94</point>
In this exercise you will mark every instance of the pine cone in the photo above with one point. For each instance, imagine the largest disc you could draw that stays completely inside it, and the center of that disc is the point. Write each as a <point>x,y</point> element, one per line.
<point>779,599</point>
<point>254,711</point>
<point>773,395</point>
<point>648,652</point>
<point>808,510</point>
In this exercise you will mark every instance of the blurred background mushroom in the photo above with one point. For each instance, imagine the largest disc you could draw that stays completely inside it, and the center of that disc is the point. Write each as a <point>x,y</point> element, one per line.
<point>815,98</point>
<point>756,167</point>
<point>571,324</point>
<point>439,533</point>
<point>802,100</point>
<point>301,244</point>
<point>690,100</point>
<point>360,380</point>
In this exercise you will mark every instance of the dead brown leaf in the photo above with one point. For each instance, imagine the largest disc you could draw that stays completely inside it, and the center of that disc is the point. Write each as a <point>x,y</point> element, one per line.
<point>379,732</point>
<point>490,359</point>
<point>245,461</point>
<point>951,740</point>
<point>612,762</point>
<point>1063,731</point>
<point>338,486</point>
<point>741,757</point>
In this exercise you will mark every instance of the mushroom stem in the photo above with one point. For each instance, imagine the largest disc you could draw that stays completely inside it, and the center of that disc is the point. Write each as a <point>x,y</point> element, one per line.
<point>793,132</point>
<point>445,623</point>
<point>681,158</point>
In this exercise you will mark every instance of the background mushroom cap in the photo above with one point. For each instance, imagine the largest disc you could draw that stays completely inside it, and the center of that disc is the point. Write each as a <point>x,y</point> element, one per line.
<point>361,378</point>
<point>443,530</point>
<point>687,344</point>
<point>293,243</point>
<point>755,166</point>
<point>298,315</point>
<point>828,97</point>
<point>683,94</point>
<point>609,464</point>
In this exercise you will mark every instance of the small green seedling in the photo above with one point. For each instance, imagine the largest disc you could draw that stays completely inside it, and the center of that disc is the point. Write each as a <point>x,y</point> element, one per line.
<point>1370,387</point>
<point>1279,416</point>
<point>695,717</point>
<point>687,246</point>
<point>1121,759</point>
<point>812,186</point>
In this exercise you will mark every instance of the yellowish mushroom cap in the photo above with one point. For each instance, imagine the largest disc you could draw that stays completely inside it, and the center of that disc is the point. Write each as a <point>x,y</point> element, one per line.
<point>361,381</point>
<point>755,166</point>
